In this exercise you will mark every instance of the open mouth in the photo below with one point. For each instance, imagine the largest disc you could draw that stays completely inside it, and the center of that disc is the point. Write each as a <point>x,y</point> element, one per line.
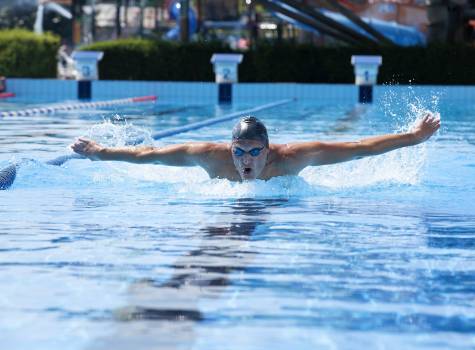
<point>247,171</point>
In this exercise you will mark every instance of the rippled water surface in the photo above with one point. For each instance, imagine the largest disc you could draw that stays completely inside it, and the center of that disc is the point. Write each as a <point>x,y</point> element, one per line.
<point>377,253</point>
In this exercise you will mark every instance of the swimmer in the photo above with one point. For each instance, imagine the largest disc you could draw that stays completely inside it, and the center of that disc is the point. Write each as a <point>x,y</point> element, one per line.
<point>249,156</point>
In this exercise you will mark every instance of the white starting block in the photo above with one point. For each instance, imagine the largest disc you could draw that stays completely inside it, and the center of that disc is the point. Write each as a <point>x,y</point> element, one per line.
<point>226,74</point>
<point>366,75</point>
<point>86,64</point>
<point>86,71</point>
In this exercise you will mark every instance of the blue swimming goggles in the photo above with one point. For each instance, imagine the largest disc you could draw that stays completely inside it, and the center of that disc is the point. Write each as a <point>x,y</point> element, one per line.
<point>239,152</point>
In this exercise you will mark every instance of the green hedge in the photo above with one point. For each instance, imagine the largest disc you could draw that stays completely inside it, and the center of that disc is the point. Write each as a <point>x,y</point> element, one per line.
<point>150,60</point>
<point>437,64</point>
<point>138,59</point>
<point>25,54</point>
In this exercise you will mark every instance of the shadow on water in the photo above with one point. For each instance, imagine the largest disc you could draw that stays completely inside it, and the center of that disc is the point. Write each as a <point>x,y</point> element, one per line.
<point>450,231</point>
<point>451,239</point>
<point>162,314</point>
<point>349,121</point>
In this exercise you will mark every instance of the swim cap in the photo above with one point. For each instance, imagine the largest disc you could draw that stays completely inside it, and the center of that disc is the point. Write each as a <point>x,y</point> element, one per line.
<point>250,128</point>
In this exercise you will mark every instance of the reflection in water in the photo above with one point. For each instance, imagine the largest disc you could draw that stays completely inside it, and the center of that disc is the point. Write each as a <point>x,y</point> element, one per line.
<point>448,274</point>
<point>450,232</point>
<point>201,275</point>
<point>349,120</point>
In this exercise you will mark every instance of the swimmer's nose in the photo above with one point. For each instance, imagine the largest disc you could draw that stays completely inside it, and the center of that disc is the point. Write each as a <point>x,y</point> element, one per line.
<point>246,159</point>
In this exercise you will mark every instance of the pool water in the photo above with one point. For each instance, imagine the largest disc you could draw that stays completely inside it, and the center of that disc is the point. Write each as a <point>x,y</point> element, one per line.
<point>377,253</point>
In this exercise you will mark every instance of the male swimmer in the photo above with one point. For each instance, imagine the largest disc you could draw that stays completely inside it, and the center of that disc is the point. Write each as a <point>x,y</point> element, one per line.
<point>249,156</point>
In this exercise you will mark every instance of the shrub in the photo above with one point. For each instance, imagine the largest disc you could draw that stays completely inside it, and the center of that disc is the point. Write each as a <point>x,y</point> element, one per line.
<point>25,54</point>
<point>139,59</point>
<point>136,59</point>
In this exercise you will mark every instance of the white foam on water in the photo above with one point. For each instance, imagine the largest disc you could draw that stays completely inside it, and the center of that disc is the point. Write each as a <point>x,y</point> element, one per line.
<point>402,166</point>
<point>194,181</point>
<point>398,167</point>
<point>117,132</point>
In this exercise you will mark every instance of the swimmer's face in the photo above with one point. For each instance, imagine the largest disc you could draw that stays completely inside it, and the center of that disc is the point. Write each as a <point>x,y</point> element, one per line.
<point>249,158</point>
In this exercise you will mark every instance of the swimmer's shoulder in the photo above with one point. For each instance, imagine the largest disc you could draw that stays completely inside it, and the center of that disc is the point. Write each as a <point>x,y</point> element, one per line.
<point>207,147</point>
<point>217,149</point>
<point>295,150</point>
<point>284,159</point>
<point>281,151</point>
<point>276,164</point>
<point>216,160</point>
<point>209,153</point>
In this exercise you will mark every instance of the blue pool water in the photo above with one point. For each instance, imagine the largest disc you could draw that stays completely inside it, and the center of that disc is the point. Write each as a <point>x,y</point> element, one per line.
<point>377,253</point>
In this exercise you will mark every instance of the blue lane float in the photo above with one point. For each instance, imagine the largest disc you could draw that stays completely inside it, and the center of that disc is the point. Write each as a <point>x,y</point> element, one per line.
<point>211,121</point>
<point>8,174</point>
<point>76,106</point>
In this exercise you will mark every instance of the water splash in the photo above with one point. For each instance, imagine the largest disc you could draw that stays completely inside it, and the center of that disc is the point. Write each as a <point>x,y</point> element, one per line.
<point>403,166</point>
<point>118,132</point>
<point>405,104</point>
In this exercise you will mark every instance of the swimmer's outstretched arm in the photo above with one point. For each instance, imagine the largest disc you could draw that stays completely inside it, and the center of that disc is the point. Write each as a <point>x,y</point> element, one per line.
<point>175,155</point>
<point>321,153</point>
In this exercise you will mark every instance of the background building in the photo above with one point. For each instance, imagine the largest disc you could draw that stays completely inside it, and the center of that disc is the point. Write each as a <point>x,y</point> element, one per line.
<point>240,22</point>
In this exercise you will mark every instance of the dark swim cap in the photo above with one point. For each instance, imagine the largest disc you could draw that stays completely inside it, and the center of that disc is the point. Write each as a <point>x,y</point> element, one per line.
<point>250,128</point>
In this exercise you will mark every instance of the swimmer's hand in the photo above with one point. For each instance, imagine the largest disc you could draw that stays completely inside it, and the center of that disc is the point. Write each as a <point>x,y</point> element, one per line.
<point>87,148</point>
<point>426,127</point>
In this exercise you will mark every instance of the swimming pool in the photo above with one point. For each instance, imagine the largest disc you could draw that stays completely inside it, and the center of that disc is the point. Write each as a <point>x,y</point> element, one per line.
<point>372,254</point>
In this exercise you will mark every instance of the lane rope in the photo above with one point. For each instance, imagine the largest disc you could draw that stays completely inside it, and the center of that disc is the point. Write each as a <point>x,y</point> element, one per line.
<point>75,106</point>
<point>211,121</point>
<point>6,95</point>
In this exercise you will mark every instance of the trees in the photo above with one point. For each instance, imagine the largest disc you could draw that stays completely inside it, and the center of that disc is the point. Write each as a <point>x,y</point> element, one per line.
<point>14,15</point>
<point>22,14</point>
